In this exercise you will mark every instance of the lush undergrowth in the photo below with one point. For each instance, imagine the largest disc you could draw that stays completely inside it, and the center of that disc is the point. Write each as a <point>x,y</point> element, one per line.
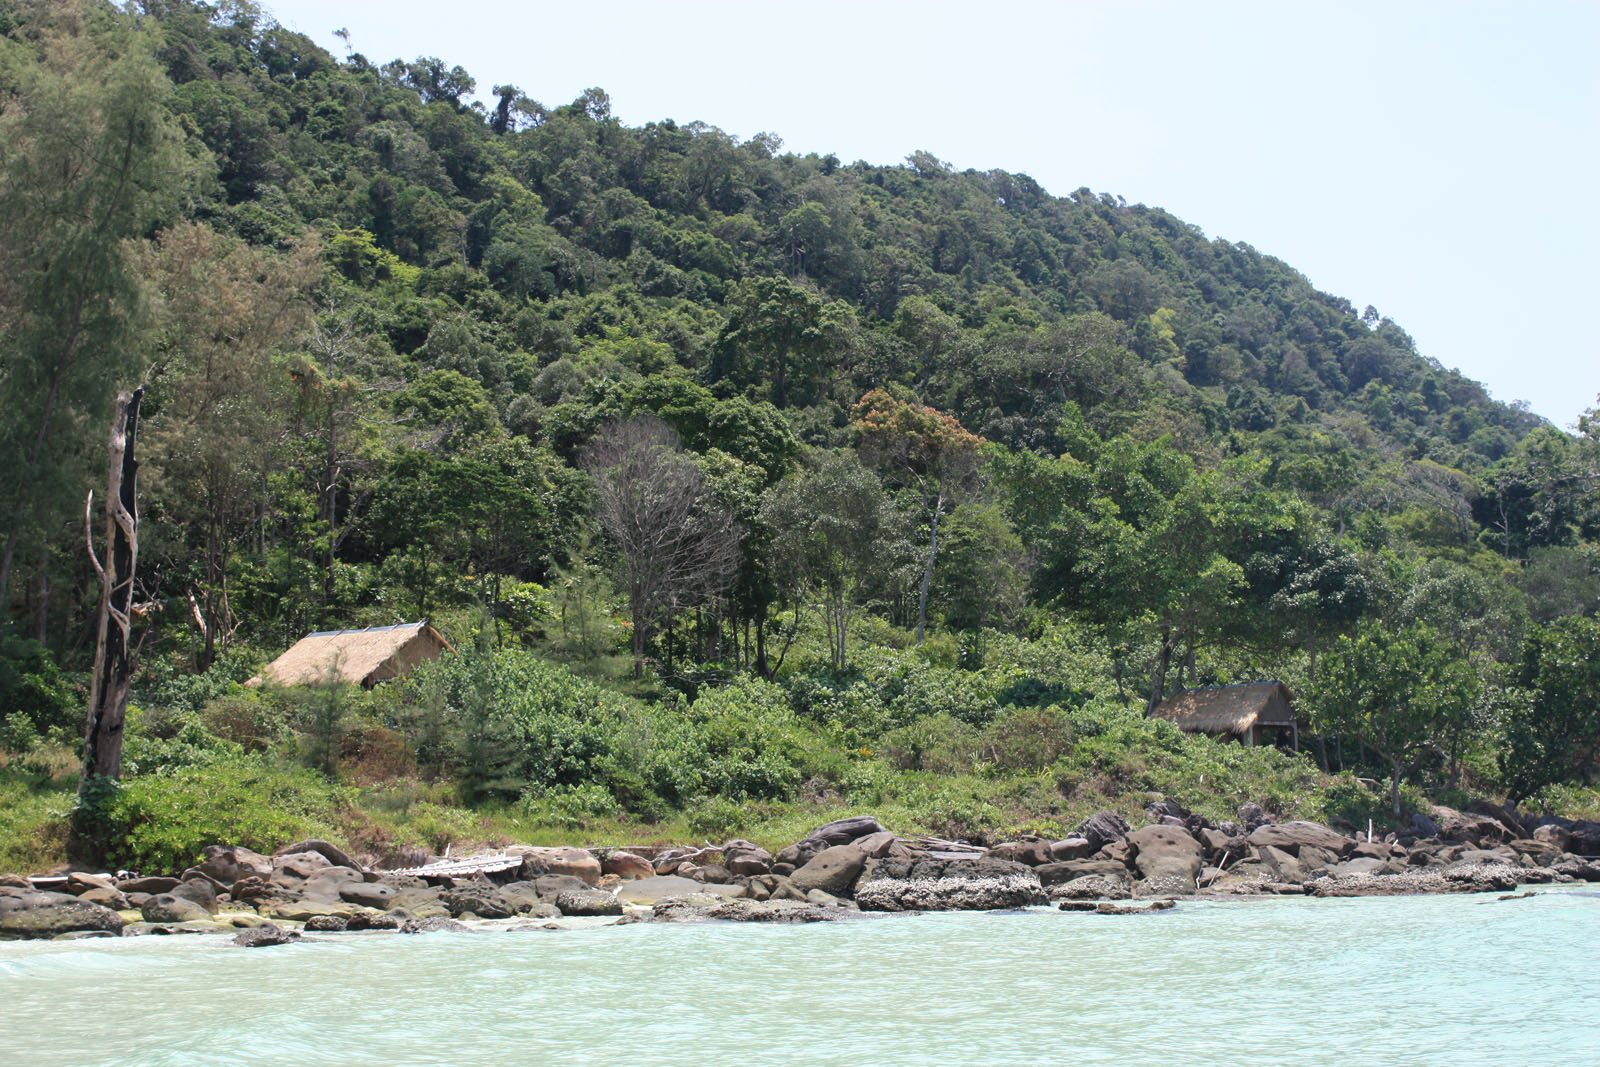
<point>490,747</point>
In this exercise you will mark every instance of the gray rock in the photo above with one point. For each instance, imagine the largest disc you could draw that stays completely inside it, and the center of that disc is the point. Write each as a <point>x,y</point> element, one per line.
<point>152,884</point>
<point>668,887</point>
<point>747,911</point>
<point>1102,828</point>
<point>588,902</point>
<point>336,856</point>
<point>1252,815</point>
<point>265,936</point>
<point>1290,836</point>
<point>1423,826</point>
<point>368,894</point>
<point>1092,887</point>
<point>1034,851</point>
<point>1069,870</point>
<point>844,831</point>
<point>1167,858</point>
<point>327,923</point>
<point>1071,848</point>
<point>480,900</point>
<point>432,925</point>
<point>834,870</point>
<point>229,863</point>
<point>932,884</point>
<point>171,908</point>
<point>33,914</point>
<point>372,920</point>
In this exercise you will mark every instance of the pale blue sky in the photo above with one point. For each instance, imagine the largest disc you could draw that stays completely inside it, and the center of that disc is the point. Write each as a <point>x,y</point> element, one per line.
<point>1436,160</point>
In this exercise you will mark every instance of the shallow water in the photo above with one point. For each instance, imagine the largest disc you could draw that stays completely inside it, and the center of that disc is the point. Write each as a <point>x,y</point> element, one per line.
<point>1403,980</point>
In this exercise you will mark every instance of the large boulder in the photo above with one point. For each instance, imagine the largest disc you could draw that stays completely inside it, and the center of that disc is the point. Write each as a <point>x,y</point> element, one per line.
<point>229,863</point>
<point>626,865</point>
<point>336,856</point>
<point>588,902</point>
<point>265,936</point>
<point>292,869</point>
<point>834,870</point>
<point>1168,860</point>
<point>1470,827</point>
<point>937,884</point>
<point>478,899</point>
<point>1583,838</point>
<point>1071,848</point>
<point>844,831</point>
<point>368,894</point>
<point>1068,870</point>
<point>671,887</point>
<point>1102,828</point>
<point>32,914</point>
<point>1289,836</point>
<point>171,908</point>
<point>562,859</point>
<point>746,858</point>
<point>1034,851</point>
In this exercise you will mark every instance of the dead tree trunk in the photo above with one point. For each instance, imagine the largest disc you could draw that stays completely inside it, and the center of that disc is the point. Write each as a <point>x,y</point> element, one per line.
<point>108,692</point>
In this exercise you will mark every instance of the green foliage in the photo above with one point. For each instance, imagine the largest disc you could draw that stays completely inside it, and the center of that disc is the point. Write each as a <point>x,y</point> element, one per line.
<point>37,699</point>
<point>160,822</point>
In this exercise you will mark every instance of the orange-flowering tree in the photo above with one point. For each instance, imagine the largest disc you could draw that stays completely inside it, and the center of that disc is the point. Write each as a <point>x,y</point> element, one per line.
<point>921,449</point>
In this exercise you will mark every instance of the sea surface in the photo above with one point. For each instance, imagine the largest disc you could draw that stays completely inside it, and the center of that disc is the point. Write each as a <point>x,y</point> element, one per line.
<point>1398,980</point>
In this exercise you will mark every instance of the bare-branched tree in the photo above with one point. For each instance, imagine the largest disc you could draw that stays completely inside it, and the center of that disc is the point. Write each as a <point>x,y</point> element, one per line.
<point>678,547</point>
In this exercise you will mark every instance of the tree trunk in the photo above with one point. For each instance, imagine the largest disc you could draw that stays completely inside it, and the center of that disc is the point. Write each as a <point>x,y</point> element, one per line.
<point>108,692</point>
<point>1158,679</point>
<point>927,571</point>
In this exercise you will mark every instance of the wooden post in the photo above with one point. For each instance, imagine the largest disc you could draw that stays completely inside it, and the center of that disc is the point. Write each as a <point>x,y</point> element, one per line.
<point>108,693</point>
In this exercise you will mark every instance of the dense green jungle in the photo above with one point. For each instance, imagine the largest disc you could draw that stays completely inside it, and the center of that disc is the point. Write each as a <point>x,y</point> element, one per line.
<point>751,487</point>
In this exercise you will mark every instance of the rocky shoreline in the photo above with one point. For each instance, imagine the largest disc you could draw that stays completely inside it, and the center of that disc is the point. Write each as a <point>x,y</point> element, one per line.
<point>845,868</point>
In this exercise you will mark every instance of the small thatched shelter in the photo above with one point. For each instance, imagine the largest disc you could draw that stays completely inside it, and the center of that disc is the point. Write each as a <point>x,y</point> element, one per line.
<point>1243,711</point>
<point>360,657</point>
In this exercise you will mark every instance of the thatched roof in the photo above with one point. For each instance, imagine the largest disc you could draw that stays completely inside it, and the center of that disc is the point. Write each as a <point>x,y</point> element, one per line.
<point>1228,709</point>
<point>360,657</point>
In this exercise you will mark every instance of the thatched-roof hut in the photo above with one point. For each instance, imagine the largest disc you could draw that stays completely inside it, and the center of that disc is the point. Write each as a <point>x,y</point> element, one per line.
<point>360,657</point>
<point>1243,711</point>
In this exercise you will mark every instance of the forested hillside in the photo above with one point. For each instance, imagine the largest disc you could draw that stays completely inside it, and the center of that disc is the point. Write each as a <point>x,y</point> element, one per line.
<point>741,477</point>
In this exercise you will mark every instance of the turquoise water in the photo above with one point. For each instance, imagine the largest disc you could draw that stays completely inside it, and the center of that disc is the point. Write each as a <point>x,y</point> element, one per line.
<point>1406,980</point>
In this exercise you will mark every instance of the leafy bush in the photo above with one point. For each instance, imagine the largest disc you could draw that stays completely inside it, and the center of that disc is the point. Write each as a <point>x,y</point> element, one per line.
<point>160,822</point>
<point>37,699</point>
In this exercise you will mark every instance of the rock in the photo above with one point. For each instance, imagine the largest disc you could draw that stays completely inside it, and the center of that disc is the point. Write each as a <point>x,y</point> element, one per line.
<point>1251,815</point>
<point>1423,826</point>
<point>301,910</point>
<point>627,865</point>
<point>883,843</point>
<point>266,936</point>
<point>200,890</point>
<point>1092,887</point>
<point>745,859</point>
<point>14,881</point>
<point>1071,848</point>
<point>1577,868</point>
<point>1060,873</point>
<point>564,859</point>
<point>1458,878</point>
<point>433,925</point>
<point>107,898</point>
<point>336,856</point>
<point>229,863</point>
<point>747,911</point>
<point>372,920</point>
<point>1283,865</point>
<point>1470,827</point>
<point>1289,836</point>
<point>368,894</point>
<point>1034,851</point>
<point>711,872</point>
<point>292,870</point>
<point>1102,828</point>
<point>171,908</point>
<point>834,870</point>
<point>1554,836</point>
<point>844,831</point>
<point>588,902</point>
<point>1167,858</point>
<point>1364,865</point>
<point>80,882</point>
<point>1583,839</point>
<point>1157,810</point>
<point>1218,843</point>
<point>930,884</point>
<point>153,884</point>
<point>798,854</point>
<point>34,914</point>
<point>327,923</point>
<point>481,900</point>
<point>668,887</point>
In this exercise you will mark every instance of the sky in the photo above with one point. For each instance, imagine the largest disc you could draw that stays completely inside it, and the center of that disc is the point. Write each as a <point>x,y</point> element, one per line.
<point>1434,160</point>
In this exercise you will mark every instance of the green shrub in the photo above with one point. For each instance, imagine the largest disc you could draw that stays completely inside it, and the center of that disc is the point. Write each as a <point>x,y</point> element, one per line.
<point>160,822</point>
